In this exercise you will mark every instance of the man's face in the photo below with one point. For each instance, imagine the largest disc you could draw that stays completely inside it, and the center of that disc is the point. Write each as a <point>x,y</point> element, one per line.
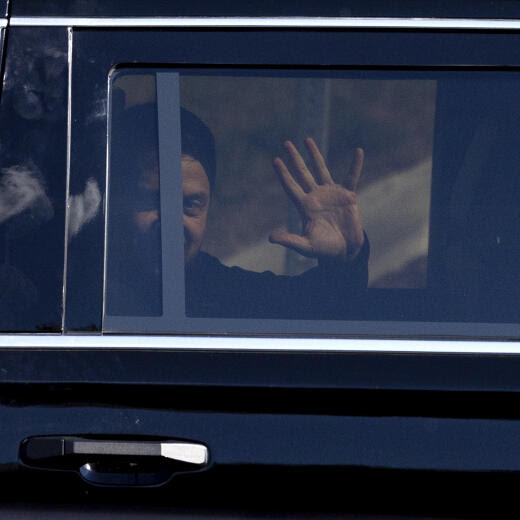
<point>195,196</point>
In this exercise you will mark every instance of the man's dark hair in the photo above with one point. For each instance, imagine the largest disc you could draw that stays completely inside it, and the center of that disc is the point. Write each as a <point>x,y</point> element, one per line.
<point>198,142</point>
<point>134,137</point>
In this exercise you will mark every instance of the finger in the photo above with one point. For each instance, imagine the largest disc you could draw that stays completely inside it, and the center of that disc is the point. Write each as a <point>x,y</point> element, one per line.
<point>292,188</point>
<point>354,172</point>
<point>320,168</point>
<point>295,242</point>
<point>304,176</point>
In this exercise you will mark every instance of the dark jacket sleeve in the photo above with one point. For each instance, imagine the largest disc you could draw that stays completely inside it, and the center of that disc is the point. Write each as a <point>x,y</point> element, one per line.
<point>331,291</point>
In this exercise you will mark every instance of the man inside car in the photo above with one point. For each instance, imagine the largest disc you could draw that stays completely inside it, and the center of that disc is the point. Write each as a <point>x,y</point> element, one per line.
<point>332,233</point>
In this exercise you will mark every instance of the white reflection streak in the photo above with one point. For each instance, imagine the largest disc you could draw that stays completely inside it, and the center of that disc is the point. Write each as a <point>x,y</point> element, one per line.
<point>100,109</point>
<point>395,213</point>
<point>21,189</point>
<point>83,207</point>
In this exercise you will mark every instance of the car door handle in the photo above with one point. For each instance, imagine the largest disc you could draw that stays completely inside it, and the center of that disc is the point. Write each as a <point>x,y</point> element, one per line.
<point>115,462</point>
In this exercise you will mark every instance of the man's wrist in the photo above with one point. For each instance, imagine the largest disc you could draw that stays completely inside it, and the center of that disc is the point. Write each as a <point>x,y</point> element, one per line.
<point>360,257</point>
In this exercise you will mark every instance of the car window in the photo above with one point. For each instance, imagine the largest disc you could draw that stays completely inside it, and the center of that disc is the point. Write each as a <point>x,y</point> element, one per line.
<point>308,195</point>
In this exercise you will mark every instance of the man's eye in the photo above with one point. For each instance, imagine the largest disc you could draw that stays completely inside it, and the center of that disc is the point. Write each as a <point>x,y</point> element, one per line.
<point>193,207</point>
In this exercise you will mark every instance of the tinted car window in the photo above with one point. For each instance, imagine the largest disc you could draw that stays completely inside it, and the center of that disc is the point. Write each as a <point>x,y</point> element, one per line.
<point>264,244</point>
<point>33,144</point>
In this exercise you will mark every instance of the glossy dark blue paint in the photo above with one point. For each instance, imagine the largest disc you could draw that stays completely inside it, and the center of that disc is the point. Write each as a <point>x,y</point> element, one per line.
<point>290,370</point>
<point>407,8</point>
<point>268,439</point>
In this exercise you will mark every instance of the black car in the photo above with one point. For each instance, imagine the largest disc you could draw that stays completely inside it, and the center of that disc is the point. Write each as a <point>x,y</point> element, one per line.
<point>342,321</point>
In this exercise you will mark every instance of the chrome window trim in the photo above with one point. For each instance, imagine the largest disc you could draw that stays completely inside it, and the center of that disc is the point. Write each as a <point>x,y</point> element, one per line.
<point>275,22</point>
<point>3,23</point>
<point>70,34</point>
<point>265,344</point>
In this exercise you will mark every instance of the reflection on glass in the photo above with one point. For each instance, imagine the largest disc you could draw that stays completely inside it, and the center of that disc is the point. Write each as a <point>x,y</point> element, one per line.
<point>24,206</point>
<point>288,244</point>
<point>313,196</point>
<point>392,120</point>
<point>331,233</point>
<point>33,124</point>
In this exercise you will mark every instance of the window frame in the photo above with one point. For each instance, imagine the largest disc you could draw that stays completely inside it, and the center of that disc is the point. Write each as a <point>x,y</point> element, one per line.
<point>214,48</point>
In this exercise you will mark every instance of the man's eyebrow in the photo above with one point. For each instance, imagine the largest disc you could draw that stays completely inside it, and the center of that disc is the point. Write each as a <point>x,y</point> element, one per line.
<point>198,194</point>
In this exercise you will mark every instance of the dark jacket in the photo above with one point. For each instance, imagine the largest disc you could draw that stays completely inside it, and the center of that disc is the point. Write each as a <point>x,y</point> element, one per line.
<point>333,291</point>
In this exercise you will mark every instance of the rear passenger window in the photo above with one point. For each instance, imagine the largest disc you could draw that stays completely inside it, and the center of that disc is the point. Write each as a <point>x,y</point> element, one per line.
<point>346,196</point>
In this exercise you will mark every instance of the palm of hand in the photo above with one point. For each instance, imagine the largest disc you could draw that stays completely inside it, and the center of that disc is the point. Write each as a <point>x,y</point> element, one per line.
<point>331,223</point>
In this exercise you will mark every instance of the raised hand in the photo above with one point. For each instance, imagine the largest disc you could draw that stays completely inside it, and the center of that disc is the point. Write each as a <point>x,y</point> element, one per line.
<point>331,223</point>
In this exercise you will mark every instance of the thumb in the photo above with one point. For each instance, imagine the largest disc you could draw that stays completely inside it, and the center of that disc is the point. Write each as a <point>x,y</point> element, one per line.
<point>295,242</point>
